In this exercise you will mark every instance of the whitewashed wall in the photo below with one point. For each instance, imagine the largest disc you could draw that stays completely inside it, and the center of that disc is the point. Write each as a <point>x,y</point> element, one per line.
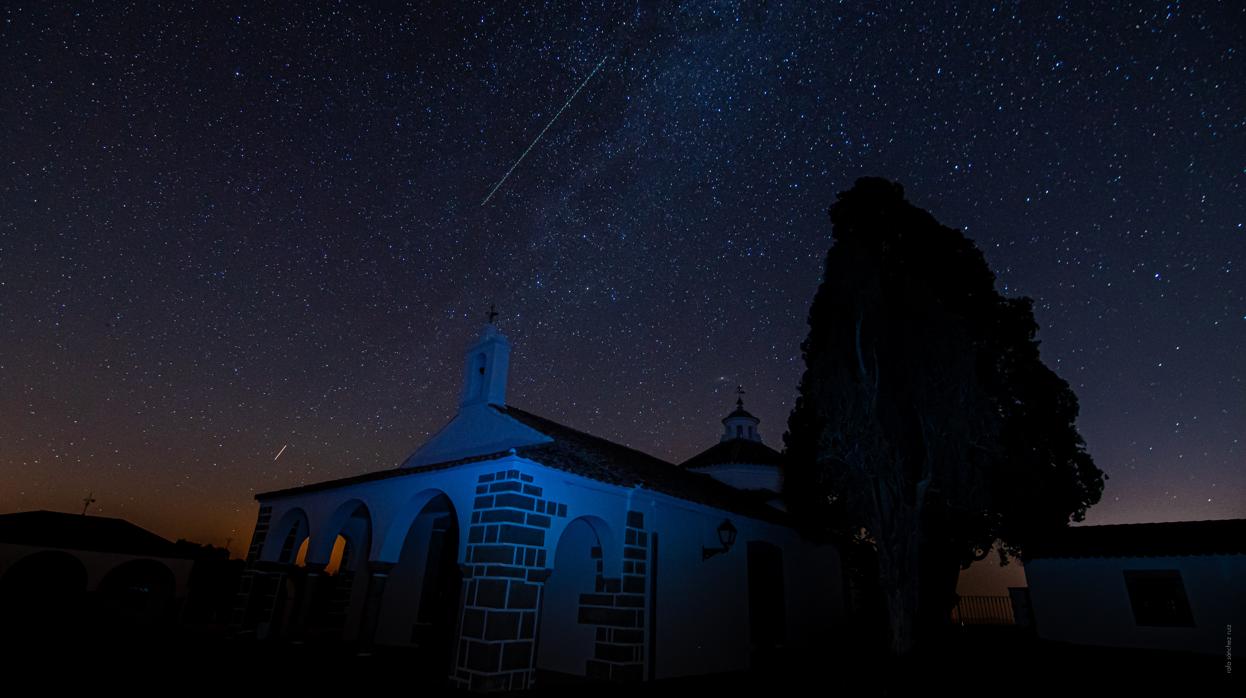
<point>701,620</point>
<point>1085,600</point>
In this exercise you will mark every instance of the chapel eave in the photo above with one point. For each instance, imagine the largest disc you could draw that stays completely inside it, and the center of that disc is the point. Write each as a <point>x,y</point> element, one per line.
<point>583,454</point>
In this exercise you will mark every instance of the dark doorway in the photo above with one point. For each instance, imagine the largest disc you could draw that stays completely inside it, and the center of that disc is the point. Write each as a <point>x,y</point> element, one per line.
<point>420,607</point>
<point>767,605</point>
<point>433,631</point>
<point>567,646</point>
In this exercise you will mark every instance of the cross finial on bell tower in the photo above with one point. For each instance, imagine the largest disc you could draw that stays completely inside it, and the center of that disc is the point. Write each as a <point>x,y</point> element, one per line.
<point>493,313</point>
<point>739,402</point>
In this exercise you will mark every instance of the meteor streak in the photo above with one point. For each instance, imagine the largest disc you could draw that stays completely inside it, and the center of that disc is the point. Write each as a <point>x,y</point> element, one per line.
<point>283,450</point>
<point>542,133</point>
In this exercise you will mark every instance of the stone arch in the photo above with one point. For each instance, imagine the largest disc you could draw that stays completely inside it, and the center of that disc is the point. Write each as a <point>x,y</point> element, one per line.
<point>611,552</point>
<point>388,546</point>
<point>330,603</point>
<point>137,594</point>
<point>421,601</point>
<point>46,565</point>
<point>337,524</point>
<point>289,533</point>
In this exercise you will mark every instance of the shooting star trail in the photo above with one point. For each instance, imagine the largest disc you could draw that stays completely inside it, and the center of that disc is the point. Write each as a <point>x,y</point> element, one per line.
<point>283,450</point>
<point>542,133</point>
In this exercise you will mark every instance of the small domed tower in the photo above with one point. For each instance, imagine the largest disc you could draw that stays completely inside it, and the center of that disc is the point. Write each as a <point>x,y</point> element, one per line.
<point>740,424</point>
<point>740,458</point>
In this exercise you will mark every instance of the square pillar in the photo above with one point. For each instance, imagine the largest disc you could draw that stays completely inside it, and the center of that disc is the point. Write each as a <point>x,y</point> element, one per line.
<point>504,571</point>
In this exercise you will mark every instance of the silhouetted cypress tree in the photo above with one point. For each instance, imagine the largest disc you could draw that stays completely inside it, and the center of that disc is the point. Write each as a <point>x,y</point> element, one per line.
<point>926,422</point>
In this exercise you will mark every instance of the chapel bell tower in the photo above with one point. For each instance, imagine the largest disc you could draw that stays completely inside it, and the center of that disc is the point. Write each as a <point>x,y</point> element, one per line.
<point>485,367</point>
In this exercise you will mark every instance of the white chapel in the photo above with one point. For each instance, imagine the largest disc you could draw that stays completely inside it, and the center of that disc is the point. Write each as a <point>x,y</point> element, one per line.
<point>509,549</point>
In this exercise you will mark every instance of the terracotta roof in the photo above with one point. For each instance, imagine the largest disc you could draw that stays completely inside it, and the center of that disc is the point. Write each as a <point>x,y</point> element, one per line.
<point>376,475</point>
<point>1218,537</point>
<point>735,451</point>
<point>54,529</point>
<point>592,457</point>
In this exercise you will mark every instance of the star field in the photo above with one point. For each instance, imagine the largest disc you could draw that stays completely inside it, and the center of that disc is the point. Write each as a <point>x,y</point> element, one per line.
<point>229,227</point>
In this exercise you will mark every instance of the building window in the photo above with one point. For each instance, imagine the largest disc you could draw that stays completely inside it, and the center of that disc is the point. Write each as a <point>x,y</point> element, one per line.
<point>1158,598</point>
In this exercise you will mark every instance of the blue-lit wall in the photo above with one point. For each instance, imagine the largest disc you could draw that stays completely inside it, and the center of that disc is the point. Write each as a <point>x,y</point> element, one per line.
<point>634,597</point>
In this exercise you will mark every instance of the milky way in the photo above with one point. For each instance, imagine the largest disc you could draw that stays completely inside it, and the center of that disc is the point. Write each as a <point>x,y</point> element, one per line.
<point>228,227</point>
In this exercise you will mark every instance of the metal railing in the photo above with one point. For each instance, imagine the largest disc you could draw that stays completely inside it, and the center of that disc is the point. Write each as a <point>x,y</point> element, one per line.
<point>983,610</point>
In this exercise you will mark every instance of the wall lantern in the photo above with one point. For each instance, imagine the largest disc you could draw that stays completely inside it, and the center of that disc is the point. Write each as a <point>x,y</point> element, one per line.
<point>726,538</point>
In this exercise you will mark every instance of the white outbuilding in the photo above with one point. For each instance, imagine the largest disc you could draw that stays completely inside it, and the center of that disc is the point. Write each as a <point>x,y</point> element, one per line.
<point>1171,586</point>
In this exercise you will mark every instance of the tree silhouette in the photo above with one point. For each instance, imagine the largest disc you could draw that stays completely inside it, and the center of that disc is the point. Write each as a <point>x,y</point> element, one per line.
<point>926,424</point>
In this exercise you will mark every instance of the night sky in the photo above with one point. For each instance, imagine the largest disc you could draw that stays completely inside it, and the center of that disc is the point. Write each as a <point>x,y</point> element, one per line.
<point>225,229</point>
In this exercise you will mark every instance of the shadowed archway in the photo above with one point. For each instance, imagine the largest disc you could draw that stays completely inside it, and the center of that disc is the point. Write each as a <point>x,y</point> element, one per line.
<point>137,598</point>
<point>293,531</point>
<point>335,596</point>
<point>43,598</point>
<point>420,607</point>
<point>271,587</point>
